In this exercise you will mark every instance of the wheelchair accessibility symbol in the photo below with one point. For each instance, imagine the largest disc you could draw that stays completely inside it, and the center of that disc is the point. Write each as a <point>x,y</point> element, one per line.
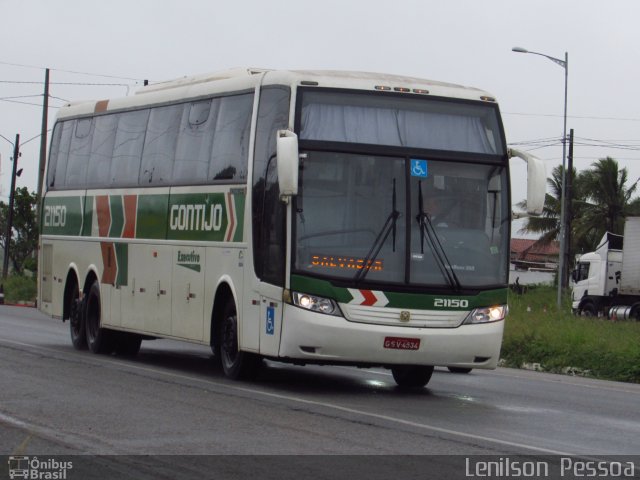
<point>418,168</point>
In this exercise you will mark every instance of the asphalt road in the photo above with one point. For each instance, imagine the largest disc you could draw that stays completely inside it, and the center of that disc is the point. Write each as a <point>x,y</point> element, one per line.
<point>170,400</point>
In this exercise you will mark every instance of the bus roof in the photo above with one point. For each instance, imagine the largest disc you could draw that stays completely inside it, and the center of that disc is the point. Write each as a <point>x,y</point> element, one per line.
<point>239,79</point>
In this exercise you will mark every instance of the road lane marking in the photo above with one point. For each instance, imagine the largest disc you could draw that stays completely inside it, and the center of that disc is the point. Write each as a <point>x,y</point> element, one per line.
<point>23,446</point>
<point>316,403</point>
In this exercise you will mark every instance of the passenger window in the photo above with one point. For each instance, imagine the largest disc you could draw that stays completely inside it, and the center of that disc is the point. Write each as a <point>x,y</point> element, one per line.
<point>160,145</point>
<point>231,139</point>
<point>104,138</point>
<point>79,151</point>
<point>56,176</point>
<point>127,151</point>
<point>195,142</point>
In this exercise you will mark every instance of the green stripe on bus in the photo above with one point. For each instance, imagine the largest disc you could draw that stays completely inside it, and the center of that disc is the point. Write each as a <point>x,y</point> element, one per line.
<point>197,216</point>
<point>152,216</point>
<point>62,215</point>
<point>239,199</point>
<point>117,216</point>
<point>183,216</point>
<point>88,216</point>
<point>122,259</point>
<point>418,301</point>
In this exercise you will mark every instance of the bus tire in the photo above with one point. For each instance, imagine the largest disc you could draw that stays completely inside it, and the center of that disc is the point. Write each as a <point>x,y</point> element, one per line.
<point>460,369</point>
<point>77,328</point>
<point>99,340</point>
<point>412,376</point>
<point>236,364</point>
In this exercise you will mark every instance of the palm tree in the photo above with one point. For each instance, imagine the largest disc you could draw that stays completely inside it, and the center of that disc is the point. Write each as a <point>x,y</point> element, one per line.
<point>607,202</point>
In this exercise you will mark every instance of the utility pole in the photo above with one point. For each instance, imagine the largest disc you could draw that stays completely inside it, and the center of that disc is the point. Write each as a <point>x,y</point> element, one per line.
<point>569,211</point>
<point>7,236</point>
<point>43,138</point>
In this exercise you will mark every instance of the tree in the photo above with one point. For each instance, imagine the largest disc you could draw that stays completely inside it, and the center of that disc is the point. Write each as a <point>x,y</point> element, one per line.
<point>24,237</point>
<point>600,202</point>
<point>547,225</point>
<point>608,201</point>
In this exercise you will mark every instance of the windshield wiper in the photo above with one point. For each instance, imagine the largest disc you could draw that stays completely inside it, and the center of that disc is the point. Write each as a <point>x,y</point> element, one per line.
<point>428,231</point>
<point>388,227</point>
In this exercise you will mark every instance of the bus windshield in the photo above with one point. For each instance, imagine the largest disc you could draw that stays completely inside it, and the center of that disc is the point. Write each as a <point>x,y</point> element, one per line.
<point>408,121</point>
<point>402,220</point>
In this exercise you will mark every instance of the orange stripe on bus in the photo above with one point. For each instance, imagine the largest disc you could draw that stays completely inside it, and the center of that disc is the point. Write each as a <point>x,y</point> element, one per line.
<point>130,207</point>
<point>109,264</point>
<point>104,215</point>
<point>101,106</point>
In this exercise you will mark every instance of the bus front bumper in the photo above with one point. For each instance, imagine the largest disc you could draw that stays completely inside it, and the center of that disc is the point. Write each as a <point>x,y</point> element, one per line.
<point>309,337</point>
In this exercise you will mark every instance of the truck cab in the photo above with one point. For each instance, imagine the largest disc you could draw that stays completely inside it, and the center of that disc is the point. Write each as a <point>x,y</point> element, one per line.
<point>596,277</point>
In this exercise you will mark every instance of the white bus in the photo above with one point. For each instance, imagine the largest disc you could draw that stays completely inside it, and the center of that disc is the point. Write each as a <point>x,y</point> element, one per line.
<point>300,216</point>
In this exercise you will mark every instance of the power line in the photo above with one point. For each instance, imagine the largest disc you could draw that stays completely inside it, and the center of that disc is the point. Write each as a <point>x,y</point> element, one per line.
<point>26,103</point>
<point>580,117</point>
<point>20,96</point>
<point>82,84</point>
<point>21,65</point>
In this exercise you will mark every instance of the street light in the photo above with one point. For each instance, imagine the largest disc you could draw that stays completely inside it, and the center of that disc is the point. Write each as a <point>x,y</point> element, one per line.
<point>563,248</point>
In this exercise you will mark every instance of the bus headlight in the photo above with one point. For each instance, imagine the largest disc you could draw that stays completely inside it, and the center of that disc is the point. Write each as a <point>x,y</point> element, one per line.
<point>315,303</point>
<point>486,314</point>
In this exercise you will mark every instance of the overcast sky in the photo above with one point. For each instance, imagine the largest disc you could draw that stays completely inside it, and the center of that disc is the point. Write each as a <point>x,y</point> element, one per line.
<point>463,42</point>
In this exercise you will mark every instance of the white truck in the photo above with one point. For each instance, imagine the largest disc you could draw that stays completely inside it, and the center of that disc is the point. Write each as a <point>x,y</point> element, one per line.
<point>607,281</point>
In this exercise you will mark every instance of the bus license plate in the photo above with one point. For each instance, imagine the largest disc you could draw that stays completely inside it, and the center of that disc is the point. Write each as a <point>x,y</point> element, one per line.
<point>399,343</point>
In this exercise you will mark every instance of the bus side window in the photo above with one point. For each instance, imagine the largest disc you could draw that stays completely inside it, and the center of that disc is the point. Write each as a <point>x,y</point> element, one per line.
<point>231,139</point>
<point>53,154</point>
<point>79,152</point>
<point>104,138</point>
<point>160,145</point>
<point>58,174</point>
<point>127,151</point>
<point>195,141</point>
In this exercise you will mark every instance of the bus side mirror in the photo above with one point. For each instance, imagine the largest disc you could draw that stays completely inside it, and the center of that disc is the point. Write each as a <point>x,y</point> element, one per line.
<point>536,181</point>
<point>288,162</point>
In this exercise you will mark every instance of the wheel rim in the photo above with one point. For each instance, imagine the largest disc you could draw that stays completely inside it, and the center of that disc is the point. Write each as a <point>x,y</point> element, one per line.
<point>229,344</point>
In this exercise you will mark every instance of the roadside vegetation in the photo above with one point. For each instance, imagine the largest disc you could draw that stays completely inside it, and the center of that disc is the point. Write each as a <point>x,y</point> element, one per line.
<point>19,288</point>
<point>538,335</point>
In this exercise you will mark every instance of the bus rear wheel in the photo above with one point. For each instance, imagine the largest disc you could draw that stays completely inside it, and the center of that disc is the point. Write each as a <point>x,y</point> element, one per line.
<point>412,376</point>
<point>77,326</point>
<point>235,363</point>
<point>99,339</point>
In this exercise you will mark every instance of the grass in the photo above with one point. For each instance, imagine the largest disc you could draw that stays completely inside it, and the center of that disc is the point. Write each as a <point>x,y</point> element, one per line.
<point>19,288</point>
<point>562,342</point>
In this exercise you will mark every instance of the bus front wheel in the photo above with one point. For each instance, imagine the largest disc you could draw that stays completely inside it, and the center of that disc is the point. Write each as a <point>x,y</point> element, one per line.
<point>412,376</point>
<point>235,363</point>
